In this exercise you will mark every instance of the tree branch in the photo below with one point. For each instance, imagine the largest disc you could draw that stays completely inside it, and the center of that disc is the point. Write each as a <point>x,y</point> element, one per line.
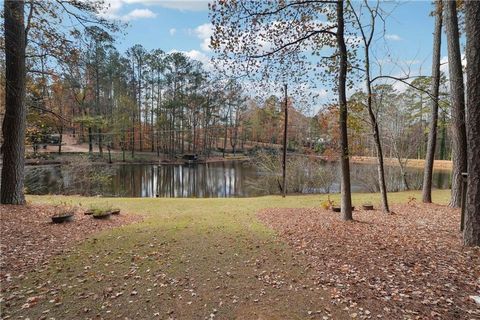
<point>404,80</point>
<point>297,3</point>
<point>311,34</point>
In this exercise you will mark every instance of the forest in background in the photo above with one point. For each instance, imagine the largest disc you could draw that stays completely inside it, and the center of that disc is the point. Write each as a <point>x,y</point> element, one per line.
<point>171,104</point>
<point>168,103</point>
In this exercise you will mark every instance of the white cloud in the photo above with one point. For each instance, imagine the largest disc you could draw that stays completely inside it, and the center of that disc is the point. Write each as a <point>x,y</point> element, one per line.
<point>182,5</point>
<point>204,32</point>
<point>172,31</point>
<point>111,9</point>
<point>444,64</point>
<point>139,14</point>
<point>114,7</point>
<point>393,37</point>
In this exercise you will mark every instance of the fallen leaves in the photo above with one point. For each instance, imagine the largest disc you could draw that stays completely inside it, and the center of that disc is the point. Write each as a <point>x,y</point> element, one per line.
<point>29,239</point>
<point>410,264</point>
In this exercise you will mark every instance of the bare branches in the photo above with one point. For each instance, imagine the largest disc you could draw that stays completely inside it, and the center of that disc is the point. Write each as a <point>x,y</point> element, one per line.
<point>28,23</point>
<point>49,111</point>
<point>404,81</point>
<point>297,41</point>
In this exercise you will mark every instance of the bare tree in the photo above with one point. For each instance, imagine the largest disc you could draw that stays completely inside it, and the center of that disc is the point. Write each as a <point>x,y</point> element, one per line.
<point>471,233</point>
<point>457,96</point>
<point>367,34</point>
<point>432,135</point>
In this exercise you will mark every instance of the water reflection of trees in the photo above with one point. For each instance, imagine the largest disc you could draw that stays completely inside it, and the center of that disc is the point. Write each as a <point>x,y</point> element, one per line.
<point>304,175</point>
<point>78,178</point>
<point>365,176</point>
<point>198,181</point>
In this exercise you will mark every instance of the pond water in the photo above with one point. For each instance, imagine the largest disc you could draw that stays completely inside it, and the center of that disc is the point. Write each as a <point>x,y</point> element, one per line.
<point>228,179</point>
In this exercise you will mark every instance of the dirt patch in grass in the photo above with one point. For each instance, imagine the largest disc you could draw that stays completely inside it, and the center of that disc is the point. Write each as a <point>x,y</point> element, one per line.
<point>29,238</point>
<point>410,264</point>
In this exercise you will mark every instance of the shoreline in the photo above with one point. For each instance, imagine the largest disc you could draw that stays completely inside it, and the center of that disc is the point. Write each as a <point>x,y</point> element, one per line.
<point>63,159</point>
<point>411,163</point>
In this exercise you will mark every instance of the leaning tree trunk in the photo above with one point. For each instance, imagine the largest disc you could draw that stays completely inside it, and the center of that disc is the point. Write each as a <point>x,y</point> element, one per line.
<point>376,132</point>
<point>14,121</point>
<point>457,92</point>
<point>432,135</point>
<point>471,231</point>
<point>346,202</point>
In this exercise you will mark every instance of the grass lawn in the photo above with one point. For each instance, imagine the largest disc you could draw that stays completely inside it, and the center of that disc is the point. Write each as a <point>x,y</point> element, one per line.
<point>188,259</point>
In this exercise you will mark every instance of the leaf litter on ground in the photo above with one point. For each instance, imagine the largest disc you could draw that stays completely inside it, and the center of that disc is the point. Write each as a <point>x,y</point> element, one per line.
<point>407,265</point>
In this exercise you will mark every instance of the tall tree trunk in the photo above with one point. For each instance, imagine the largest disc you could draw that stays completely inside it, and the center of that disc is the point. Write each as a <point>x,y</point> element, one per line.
<point>100,142</point>
<point>285,143</point>
<point>132,136</point>
<point>342,101</point>
<point>98,112</point>
<point>182,127</point>
<point>471,232</point>
<point>14,121</point>
<point>194,138</point>
<point>443,137</point>
<point>380,161</point>
<point>432,135</point>
<point>140,65</point>
<point>60,131</point>
<point>225,139</point>
<point>457,92</point>
<point>367,40</point>
<point>90,140</point>
<point>152,131</point>
<point>134,94</point>
<point>124,143</point>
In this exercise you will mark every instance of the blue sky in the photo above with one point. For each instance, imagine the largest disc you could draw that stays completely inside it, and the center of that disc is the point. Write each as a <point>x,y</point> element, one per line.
<point>184,26</point>
<point>174,25</point>
<point>167,25</point>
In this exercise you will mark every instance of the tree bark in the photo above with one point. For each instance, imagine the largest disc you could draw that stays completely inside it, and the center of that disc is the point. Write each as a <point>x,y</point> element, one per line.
<point>457,92</point>
<point>367,40</point>
<point>432,135</point>
<point>346,195</point>
<point>471,233</point>
<point>14,121</point>
<point>98,112</point>
<point>90,140</point>
<point>285,142</point>
<point>60,131</point>
<point>140,66</point>
<point>152,131</point>
<point>443,137</point>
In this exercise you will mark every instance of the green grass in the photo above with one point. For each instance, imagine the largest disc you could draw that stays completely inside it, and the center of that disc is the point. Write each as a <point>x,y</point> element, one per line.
<point>187,258</point>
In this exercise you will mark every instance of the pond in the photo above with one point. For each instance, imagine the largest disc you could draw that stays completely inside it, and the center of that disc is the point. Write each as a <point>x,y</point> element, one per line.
<point>224,179</point>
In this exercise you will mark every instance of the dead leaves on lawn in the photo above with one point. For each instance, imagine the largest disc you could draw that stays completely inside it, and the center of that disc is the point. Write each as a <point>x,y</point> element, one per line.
<point>29,238</point>
<point>410,265</point>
